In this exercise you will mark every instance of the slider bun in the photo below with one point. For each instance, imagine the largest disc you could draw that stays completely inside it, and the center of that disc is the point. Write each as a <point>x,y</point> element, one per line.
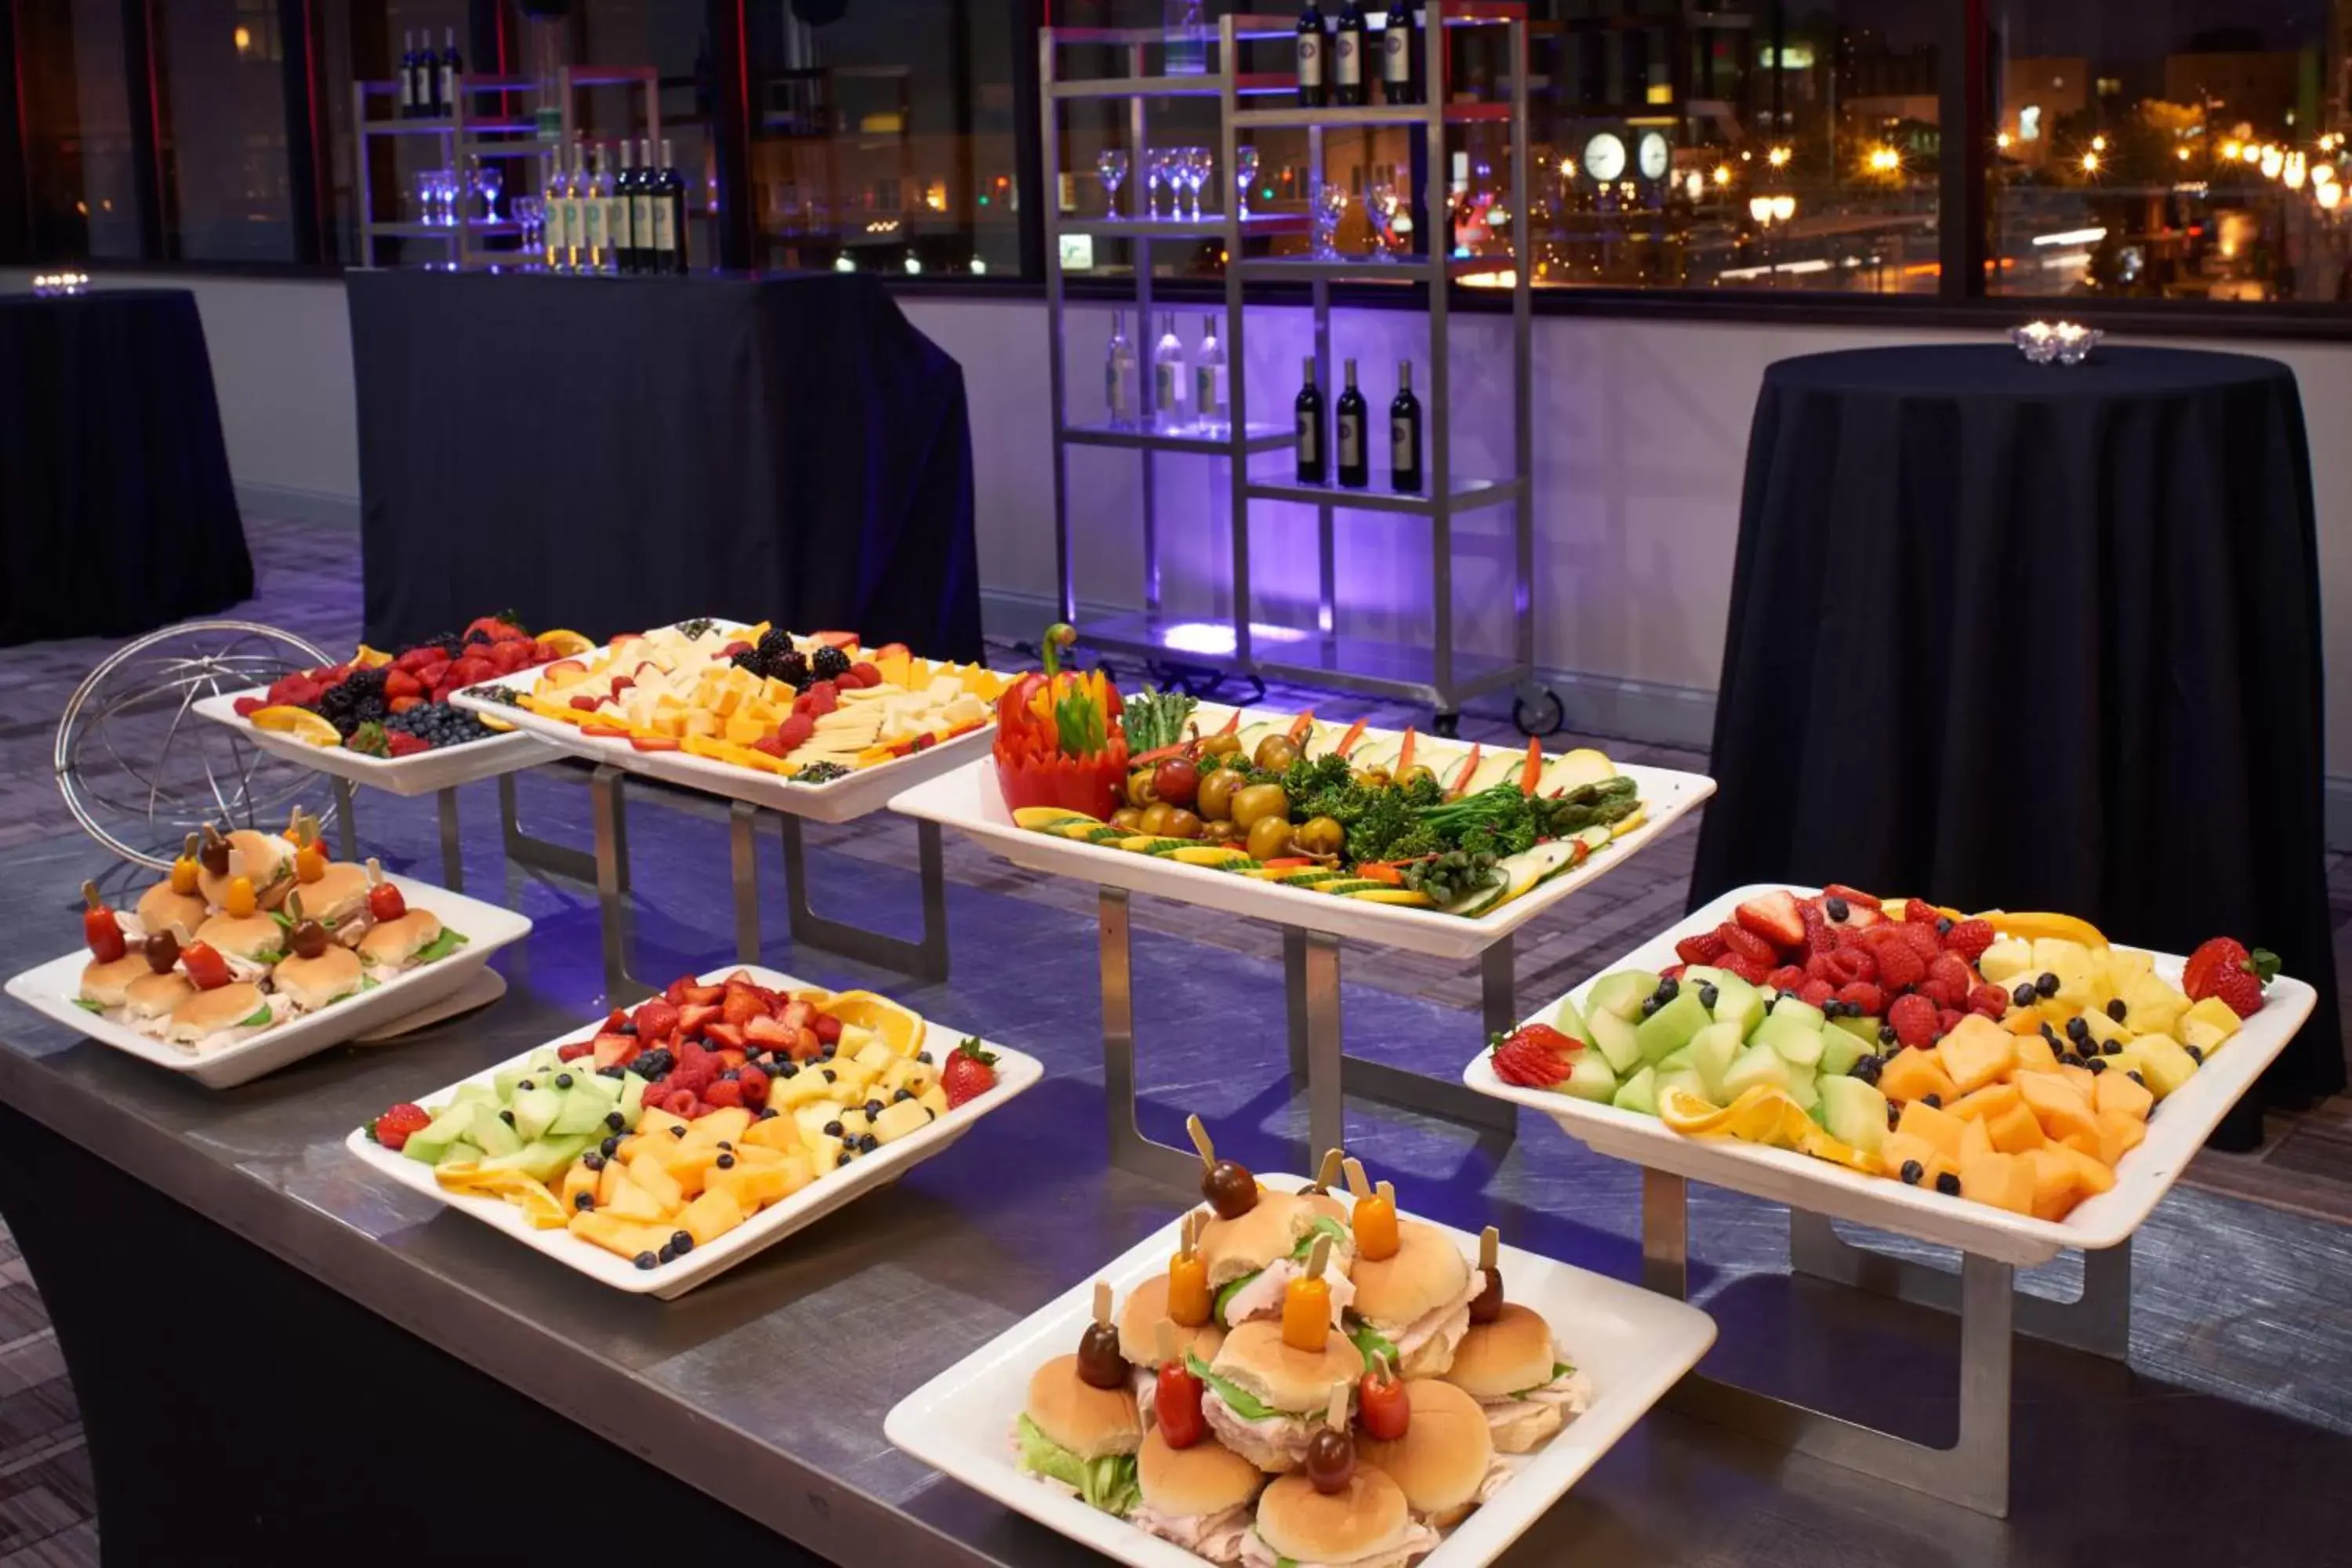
<point>1497,1359</point>
<point>1306,1526</point>
<point>1207,1478</point>
<point>208,1012</point>
<point>265,858</point>
<point>1427,1272</point>
<point>1254,1358</point>
<point>1442,1459</point>
<point>1139,1326</point>
<point>159,910</point>
<point>1232,1248</point>
<point>339,893</point>
<point>1089,1422</point>
<point>310,982</point>
<point>153,995</point>
<point>242,937</point>
<point>1524,1431</point>
<point>394,942</point>
<point>1329,1204</point>
<point>106,983</point>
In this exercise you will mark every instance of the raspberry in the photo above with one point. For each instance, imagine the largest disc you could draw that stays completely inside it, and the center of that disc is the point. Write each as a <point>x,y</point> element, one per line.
<point>1819,935</point>
<point>1920,912</point>
<point>1855,963</point>
<point>1816,992</point>
<point>1950,970</point>
<point>1923,941</point>
<point>1913,1019</point>
<point>1704,948</point>
<point>681,1102</point>
<point>1746,968</point>
<point>1942,991</point>
<point>1788,977</point>
<point>1865,995</point>
<point>394,1127</point>
<point>1899,967</point>
<point>754,1086</point>
<point>1818,967</point>
<point>1860,901</point>
<point>1748,944</point>
<point>1989,1000</point>
<point>1969,939</point>
<point>575,1050</point>
<point>1948,1020</point>
<point>725,1091</point>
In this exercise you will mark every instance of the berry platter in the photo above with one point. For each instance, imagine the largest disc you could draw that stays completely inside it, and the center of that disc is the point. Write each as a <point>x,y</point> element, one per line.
<point>1013,1074</point>
<point>2141,1178</point>
<point>1634,1345</point>
<point>51,988</point>
<point>421,773</point>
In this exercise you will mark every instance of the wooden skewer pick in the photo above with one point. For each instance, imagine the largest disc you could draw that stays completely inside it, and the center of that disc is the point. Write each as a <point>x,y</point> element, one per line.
<point>1200,1142</point>
<point>1167,1335</point>
<point>1336,1413</point>
<point>1357,1183</point>
<point>1316,1259</point>
<point>1386,1192</point>
<point>1489,1244</point>
<point>1327,1175</point>
<point>375,872</point>
<point>188,847</point>
<point>1102,1301</point>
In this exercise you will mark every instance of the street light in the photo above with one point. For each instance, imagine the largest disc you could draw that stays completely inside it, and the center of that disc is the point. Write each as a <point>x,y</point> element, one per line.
<point>2296,168</point>
<point>2328,195</point>
<point>1884,159</point>
<point>2231,148</point>
<point>2098,144</point>
<point>2274,163</point>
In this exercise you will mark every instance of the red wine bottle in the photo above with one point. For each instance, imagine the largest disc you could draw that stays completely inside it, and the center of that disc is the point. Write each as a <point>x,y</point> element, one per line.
<point>1313,464</point>
<point>1355,462</point>
<point>1312,88</point>
<point>1404,434</point>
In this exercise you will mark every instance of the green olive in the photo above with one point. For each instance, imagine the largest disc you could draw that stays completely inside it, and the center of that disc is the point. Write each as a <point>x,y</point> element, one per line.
<point>1127,817</point>
<point>1155,818</point>
<point>1219,832</point>
<point>1182,824</point>
<point>1220,745</point>
<point>1257,802</point>
<point>1319,836</point>
<point>1140,792</point>
<point>1269,837</point>
<point>1275,754</point>
<point>1214,799</point>
<point>1414,775</point>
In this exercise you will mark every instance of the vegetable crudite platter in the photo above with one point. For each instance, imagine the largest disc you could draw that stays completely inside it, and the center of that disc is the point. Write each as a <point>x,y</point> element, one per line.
<point>384,720</point>
<point>803,724</point>
<point>1327,827</point>
<point>258,949</point>
<point>2009,1084</point>
<point>1300,1371</point>
<point>663,1144</point>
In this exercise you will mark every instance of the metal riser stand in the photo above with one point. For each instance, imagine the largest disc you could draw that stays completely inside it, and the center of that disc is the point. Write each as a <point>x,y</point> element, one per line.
<point>1318,1062</point>
<point>521,848</point>
<point>1972,1472</point>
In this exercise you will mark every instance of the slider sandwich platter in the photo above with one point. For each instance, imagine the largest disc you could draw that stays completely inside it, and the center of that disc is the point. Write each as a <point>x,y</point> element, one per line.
<point>256,951</point>
<point>1222,1441</point>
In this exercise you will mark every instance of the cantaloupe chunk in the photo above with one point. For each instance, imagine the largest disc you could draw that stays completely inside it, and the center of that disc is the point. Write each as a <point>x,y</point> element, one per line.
<point>2118,1135</point>
<point>2080,1077</point>
<point>577,1179</point>
<point>2053,1181</point>
<point>2089,1143</point>
<point>1939,1130</point>
<point>2091,1176</point>
<point>2114,1092</point>
<point>1976,1139</point>
<point>719,1126</point>
<point>1899,1148</point>
<point>2004,1181</point>
<point>1977,1052</point>
<point>778,1132</point>
<point>2014,1131</point>
<point>626,1237</point>
<point>1989,1100</point>
<point>710,1216</point>
<point>650,1171</point>
<point>2059,1106</point>
<point>2035,1054</point>
<point>1912,1075</point>
<point>654,1121</point>
<point>631,1201</point>
<point>2022,1022</point>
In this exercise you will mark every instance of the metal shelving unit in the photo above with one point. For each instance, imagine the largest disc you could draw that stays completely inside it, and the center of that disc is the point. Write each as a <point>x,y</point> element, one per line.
<point>1439,674</point>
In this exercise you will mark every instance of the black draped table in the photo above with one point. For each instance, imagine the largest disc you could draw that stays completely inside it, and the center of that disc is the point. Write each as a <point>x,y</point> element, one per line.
<point>2035,637</point>
<point>613,453</point>
<point>117,514</point>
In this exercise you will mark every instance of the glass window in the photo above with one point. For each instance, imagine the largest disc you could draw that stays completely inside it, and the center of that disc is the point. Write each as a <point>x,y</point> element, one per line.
<point>364,41</point>
<point>2189,153</point>
<point>76,119</point>
<point>882,135</point>
<point>220,128</point>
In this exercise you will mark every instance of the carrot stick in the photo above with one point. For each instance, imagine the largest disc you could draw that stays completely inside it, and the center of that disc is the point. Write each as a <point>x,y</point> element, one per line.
<point>1160,755</point>
<point>1469,766</point>
<point>1302,727</point>
<point>1404,757</point>
<point>1232,724</point>
<point>1348,741</point>
<point>1533,775</point>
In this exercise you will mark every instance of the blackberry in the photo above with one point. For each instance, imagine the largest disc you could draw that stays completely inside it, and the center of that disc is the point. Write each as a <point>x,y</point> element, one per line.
<point>750,659</point>
<point>775,643</point>
<point>828,662</point>
<point>792,665</point>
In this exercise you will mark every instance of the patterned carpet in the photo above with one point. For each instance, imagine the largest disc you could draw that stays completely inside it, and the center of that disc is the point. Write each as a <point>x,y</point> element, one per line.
<point>309,582</point>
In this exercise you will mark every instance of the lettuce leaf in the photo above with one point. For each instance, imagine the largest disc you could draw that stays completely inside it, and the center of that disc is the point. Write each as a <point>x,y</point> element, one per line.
<point>1324,1226</point>
<point>1242,1402</point>
<point>1225,1293</point>
<point>1371,1343</point>
<point>259,1016</point>
<point>1108,1483</point>
<point>1041,1456</point>
<point>1560,1369</point>
<point>87,1006</point>
<point>440,947</point>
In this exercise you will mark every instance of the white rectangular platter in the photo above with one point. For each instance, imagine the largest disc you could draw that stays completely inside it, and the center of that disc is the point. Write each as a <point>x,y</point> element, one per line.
<point>426,772</point>
<point>50,989</point>
<point>1632,1344</point>
<point>969,801</point>
<point>854,794</point>
<point>1016,1073</point>
<point>2178,1128</point>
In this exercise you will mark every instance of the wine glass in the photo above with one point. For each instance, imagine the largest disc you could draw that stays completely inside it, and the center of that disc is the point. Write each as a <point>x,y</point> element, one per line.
<point>529,212</point>
<point>1155,166</point>
<point>1111,164</point>
<point>1244,175</point>
<point>1198,166</point>
<point>1331,206</point>
<point>490,181</point>
<point>1381,208</point>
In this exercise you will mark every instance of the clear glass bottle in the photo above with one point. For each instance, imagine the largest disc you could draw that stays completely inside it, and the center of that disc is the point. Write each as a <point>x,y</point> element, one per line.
<point>551,220</point>
<point>597,246</point>
<point>1170,396</point>
<point>1209,405</point>
<point>1118,375</point>
<point>1187,36</point>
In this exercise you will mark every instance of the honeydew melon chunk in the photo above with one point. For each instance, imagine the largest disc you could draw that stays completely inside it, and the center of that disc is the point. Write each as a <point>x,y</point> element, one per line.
<point>470,1091</point>
<point>1590,1079</point>
<point>1799,1043</point>
<point>1736,1001</point>
<point>1687,1080</point>
<point>1621,992</point>
<point>1670,1028</point>
<point>1614,1038</point>
<point>1697,974</point>
<point>1569,1022</point>
<point>431,1142</point>
<point>1854,1113</point>
<point>1713,1051</point>
<point>543,1159</point>
<point>488,1130</point>
<point>1787,1006</point>
<point>1840,1051</point>
<point>584,1108</point>
<point>536,1109</point>
<point>1803,1089</point>
<point>1864,1028</point>
<point>1639,1092</point>
<point>1754,1066</point>
<point>1677,1061</point>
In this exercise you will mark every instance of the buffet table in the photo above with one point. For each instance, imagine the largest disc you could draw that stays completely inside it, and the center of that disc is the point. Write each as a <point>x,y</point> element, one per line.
<point>613,453</point>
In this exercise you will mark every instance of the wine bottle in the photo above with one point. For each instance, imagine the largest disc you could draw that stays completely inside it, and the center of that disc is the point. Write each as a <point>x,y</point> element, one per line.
<point>1118,375</point>
<point>1416,50</point>
<point>408,75</point>
<point>560,220</point>
<point>1404,434</point>
<point>641,209</point>
<point>616,213</point>
<point>551,228</point>
<point>1168,388</point>
<point>1399,50</point>
<point>445,92</point>
<point>1348,57</point>
<point>1209,382</point>
<point>670,214</point>
<point>1312,463</point>
<point>594,210</point>
<point>1354,468</point>
<point>1310,55</point>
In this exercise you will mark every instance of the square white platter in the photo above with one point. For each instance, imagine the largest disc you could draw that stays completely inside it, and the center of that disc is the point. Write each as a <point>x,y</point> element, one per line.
<point>426,772</point>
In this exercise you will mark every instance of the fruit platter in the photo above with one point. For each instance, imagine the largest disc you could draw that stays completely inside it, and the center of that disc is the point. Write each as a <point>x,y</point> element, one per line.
<point>385,719</point>
<point>1300,1371</point>
<point>2005,1082</point>
<point>258,949</point>
<point>814,724</point>
<point>1417,841</point>
<point>665,1143</point>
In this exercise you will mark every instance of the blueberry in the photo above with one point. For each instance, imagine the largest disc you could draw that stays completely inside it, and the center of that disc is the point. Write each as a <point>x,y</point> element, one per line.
<point>2112,1048</point>
<point>564,1081</point>
<point>1913,1171</point>
<point>1944,926</point>
<point>830,1076</point>
<point>679,1131</point>
<point>1706,996</point>
<point>923,1056</point>
<point>592,1159</point>
<point>585,1202</point>
<point>526,1086</point>
<point>873,1108</point>
<point>616,1120</point>
<point>726,1146</point>
<point>2116,1010</point>
<point>1893,1113</point>
<point>1885,1034</point>
<point>2195,1054</point>
<point>668,1253</point>
<point>507,1117</point>
<point>683,1242</point>
<point>846,1157</point>
<point>1837,909</point>
<point>2133,1076</point>
<point>628,1027</point>
<point>611,1072</point>
<point>2045,984</point>
<point>787,1069</point>
<point>767,1113</point>
<point>902,1095</point>
<point>868,1144</point>
<point>647,1260</point>
<point>2048,1033</point>
<point>833,1130</point>
<point>2077,1030</point>
<point>1948,1184</point>
<point>1649,1006</point>
<point>726,1162</point>
<point>2068,1058</point>
<point>1668,989</point>
<point>2097,1064</point>
<point>2022,995</point>
<point>1935,1099</point>
<point>609,1147</point>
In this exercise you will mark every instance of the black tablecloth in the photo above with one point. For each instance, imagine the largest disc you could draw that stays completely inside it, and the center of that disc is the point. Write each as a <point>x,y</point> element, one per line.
<point>116,510</point>
<point>613,453</point>
<point>2035,637</point>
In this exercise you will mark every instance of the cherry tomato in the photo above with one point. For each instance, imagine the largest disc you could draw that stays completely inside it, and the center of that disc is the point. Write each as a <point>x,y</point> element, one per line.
<point>385,902</point>
<point>99,929</point>
<point>207,970</point>
<point>1385,1408</point>
<point>1178,780</point>
<point>1176,1402</point>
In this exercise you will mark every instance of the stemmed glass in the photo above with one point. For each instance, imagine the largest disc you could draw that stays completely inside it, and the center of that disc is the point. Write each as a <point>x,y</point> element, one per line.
<point>529,212</point>
<point>490,182</point>
<point>1381,208</point>
<point>1156,172</point>
<point>1111,164</point>
<point>1331,206</point>
<point>1197,166</point>
<point>1244,175</point>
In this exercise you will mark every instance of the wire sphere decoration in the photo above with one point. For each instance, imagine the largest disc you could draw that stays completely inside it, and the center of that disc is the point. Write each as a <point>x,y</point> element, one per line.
<point>140,770</point>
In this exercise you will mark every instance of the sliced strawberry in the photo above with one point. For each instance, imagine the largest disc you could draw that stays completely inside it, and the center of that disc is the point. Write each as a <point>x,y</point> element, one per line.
<point>771,1034</point>
<point>704,994</point>
<point>615,1050</point>
<point>1774,918</point>
<point>655,1019</point>
<point>1853,898</point>
<point>740,1004</point>
<point>693,1019</point>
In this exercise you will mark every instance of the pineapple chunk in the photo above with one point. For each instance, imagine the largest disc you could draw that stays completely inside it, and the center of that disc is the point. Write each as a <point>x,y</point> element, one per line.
<point>897,1120</point>
<point>2207,1024</point>
<point>2163,1063</point>
<point>2071,962</point>
<point>812,1119</point>
<point>2103,1028</point>
<point>877,1056</point>
<point>2005,960</point>
<point>936,1098</point>
<point>2153,1005</point>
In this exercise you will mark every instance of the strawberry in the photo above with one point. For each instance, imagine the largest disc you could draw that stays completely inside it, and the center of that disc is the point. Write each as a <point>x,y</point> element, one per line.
<point>794,732</point>
<point>1746,968</point>
<point>1818,967</point>
<point>741,1004</point>
<point>1748,944</point>
<point>575,1050</point>
<point>1913,1019</point>
<point>1900,967</point>
<point>1861,994</point>
<point>1969,939</point>
<point>865,673</point>
<point>824,1026</point>
<point>1704,948</point>
<point>2222,967</point>
<point>1989,1000</point>
<point>394,1128</point>
<point>1950,970</point>
<point>654,1019</point>
<point>401,683</point>
<point>246,707</point>
<point>1854,964</point>
<point>682,1103</point>
<point>1788,977</point>
<point>404,744</point>
<point>615,1050</point>
<point>1535,1056</point>
<point>1819,936</point>
<point>970,1073</point>
<point>1923,939</point>
<point>725,1038</point>
<point>1774,918</point>
<point>1673,972</point>
<point>754,1084</point>
<point>771,1035</point>
<point>702,995</point>
<point>693,1019</point>
<point>1943,992</point>
<point>1815,992</point>
<point>1854,898</point>
<point>1920,912</point>
<point>1948,1019</point>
